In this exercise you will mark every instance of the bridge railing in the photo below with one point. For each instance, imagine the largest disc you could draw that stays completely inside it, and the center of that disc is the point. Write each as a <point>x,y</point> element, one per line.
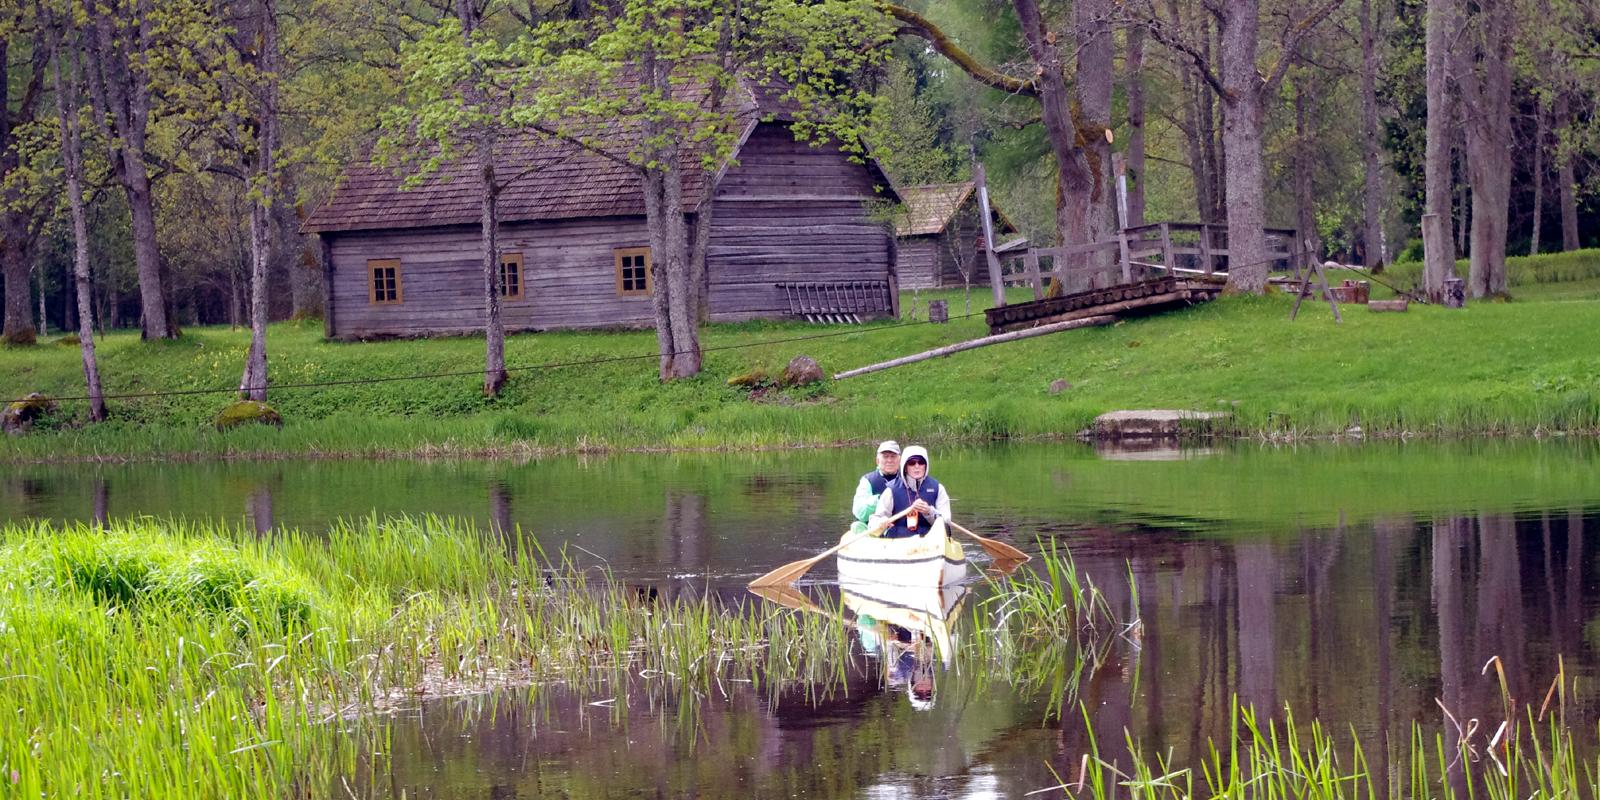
<point>1139,253</point>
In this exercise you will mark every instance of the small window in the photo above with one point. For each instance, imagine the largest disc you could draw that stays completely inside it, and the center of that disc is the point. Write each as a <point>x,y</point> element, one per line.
<point>633,270</point>
<point>511,276</point>
<point>384,281</point>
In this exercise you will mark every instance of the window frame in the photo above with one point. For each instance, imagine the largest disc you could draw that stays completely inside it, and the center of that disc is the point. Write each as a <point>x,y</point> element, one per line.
<point>618,255</point>
<point>522,276</point>
<point>373,265</point>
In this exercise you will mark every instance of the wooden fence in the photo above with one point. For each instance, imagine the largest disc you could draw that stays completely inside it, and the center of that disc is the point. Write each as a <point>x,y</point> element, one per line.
<point>837,302</point>
<point>1139,253</point>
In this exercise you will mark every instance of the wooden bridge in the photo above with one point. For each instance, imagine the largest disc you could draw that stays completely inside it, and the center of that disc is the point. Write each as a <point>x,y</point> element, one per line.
<point>1146,269</point>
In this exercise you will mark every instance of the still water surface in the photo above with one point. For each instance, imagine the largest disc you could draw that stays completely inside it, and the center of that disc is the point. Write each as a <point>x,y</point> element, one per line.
<point>1357,585</point>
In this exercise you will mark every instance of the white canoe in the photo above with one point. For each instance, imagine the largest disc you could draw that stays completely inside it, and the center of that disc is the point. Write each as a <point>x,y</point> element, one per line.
<point>920,562</point>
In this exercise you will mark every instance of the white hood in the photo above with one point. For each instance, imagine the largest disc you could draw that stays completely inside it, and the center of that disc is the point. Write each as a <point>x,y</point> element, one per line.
<point>914,450</point>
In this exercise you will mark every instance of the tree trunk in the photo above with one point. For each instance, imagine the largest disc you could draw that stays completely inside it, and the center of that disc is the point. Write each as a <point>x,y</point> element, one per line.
<point>120,86</point>
<point>17,259</point>
<point>1375,253</point>
<point>1305,201</point>
<point>66,56</point>
<point>1074,180</point>
<point>19,229</point>
<point>1483,73</point>
<point>253,384</point>
<point>1539,135</point>
<point>1135,151</point>
<point>1439,261</point>
<point>1241,137</point>
<point>1093,78</point>
<point>494,366</point>
<point>1566,179</point>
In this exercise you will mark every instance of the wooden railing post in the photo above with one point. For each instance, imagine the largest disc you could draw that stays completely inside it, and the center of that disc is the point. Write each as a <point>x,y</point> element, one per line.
<point>1168,258</point>
<point>1031,261</point>
<point>1205,249</point>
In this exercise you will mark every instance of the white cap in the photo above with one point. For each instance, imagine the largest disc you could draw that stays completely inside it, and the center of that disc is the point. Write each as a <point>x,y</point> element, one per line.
<point>890,446</point>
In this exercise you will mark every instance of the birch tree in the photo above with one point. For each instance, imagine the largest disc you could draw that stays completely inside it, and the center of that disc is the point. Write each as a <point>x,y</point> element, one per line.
<point>68,91</point>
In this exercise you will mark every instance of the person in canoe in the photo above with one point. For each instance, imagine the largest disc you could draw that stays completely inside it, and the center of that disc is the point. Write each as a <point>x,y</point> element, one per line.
<point>914,489</point>
<point>872,484</point>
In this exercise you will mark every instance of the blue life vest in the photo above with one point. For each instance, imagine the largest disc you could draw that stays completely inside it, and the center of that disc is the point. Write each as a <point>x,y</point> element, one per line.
<point>928,491</point>
<point>876,480</point>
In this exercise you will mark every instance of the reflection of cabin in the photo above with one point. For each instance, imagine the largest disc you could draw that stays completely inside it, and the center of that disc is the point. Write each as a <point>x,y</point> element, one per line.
<point>789,221</point>
<point>940,233</point>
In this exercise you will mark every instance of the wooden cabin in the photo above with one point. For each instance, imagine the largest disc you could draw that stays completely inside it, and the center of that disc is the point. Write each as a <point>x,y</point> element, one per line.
<point>791,237</point>
<point>939,228</point>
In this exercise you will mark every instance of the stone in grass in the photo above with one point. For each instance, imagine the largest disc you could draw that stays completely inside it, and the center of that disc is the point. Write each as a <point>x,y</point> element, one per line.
<point>19,415</point>
<point>247,412</point>
<point>1060,385</point>
<point>801,371</point>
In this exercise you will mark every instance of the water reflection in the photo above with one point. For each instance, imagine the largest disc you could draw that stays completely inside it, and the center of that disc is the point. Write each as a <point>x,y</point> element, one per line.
<point>1366,588</point>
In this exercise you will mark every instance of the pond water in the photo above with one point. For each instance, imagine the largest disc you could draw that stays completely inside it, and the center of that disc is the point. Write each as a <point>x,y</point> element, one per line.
<point>1361,586</point>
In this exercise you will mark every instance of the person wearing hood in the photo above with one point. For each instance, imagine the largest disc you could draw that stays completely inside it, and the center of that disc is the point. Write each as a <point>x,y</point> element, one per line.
<point>872,485</point>
<point>916,490</point>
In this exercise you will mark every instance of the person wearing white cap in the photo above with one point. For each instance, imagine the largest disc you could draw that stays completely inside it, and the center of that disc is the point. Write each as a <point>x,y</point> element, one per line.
<point>873,483</point>
<point>915,490</point>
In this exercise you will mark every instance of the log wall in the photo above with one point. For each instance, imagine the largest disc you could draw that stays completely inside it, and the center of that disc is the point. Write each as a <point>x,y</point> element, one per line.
<point>785,212</point>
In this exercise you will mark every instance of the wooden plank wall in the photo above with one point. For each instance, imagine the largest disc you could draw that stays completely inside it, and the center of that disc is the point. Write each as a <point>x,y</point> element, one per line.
<point>790,212</point>
<point>568,272</point>
<point>915,261</point>
<point>786,212</point>
<point>967,231</point>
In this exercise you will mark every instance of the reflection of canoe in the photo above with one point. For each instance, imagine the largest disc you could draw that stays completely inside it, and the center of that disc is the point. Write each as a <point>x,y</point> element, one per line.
<point>923,562</point>
<point>926,612</point>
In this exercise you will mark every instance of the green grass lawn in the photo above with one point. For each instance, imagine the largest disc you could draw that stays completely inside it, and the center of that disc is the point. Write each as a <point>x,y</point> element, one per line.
<point>1493,368</point>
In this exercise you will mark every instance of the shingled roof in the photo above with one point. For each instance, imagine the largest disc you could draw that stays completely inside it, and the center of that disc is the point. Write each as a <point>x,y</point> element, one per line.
<point>930,208</point>
<point>550,178</point>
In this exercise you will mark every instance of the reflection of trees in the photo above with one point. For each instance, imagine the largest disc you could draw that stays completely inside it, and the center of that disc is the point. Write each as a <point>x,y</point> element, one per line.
<point>258,506</point>
<point>1449,537</point>
<point>1256,579</point>
<point>102,502</point>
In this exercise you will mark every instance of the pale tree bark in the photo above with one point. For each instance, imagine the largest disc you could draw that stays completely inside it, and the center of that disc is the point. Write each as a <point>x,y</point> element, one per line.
<point>67,96</point>
<point>1540,123</point>
<point>1075,181</point>
<point>1483,74</point>
<point>677,331</point>
<point>1566,177</point>
<point>1093,79</point>
<point>253,384</point>
<point>1305,201</point>
<point>120,39</point>
<point>1243,87</point>
<point>1375,252</point>
<point>1135,151</point>
<point>1439,255</point>
<point>483,135</point>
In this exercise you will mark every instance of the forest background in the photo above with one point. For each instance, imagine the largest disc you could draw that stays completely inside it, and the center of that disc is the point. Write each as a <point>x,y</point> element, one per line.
<point>197,133</point>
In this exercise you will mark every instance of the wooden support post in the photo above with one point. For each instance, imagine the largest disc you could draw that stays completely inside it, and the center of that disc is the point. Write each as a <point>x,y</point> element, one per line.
<point>995,280</point>
<point>1205,250</point>
<point>1031,261</point>
<point>1304,288</point>
<point>1168,258</point>
<point>1119,169</point>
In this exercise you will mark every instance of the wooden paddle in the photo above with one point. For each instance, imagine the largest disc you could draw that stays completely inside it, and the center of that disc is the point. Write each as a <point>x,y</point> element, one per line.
<point>997,550</point>
<point>791,572</point>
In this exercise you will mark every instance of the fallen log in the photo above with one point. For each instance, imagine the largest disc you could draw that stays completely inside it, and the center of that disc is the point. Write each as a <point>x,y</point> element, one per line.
<point>1086,322</point>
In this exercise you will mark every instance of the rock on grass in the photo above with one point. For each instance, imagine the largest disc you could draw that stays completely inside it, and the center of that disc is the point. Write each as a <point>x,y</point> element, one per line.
<point>19,415</point>
<point>246,412</point>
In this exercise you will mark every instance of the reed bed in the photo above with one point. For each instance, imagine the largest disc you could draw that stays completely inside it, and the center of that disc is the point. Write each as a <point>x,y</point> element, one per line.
<point>162,659</point>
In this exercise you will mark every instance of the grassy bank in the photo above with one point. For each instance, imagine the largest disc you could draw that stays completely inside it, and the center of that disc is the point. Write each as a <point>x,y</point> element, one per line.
<point>1495,368</point>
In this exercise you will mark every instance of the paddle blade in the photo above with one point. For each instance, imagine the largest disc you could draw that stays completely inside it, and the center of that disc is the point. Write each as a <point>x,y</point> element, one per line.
<point>1000,551</point>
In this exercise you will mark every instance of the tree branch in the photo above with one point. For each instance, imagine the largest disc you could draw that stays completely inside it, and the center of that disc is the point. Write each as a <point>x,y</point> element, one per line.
<point>915,24</point>
<point>1202,66</point>
<point>1291,41</point>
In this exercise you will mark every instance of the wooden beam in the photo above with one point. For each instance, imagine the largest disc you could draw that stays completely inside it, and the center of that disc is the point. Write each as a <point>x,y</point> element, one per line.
<point>976,343</point>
